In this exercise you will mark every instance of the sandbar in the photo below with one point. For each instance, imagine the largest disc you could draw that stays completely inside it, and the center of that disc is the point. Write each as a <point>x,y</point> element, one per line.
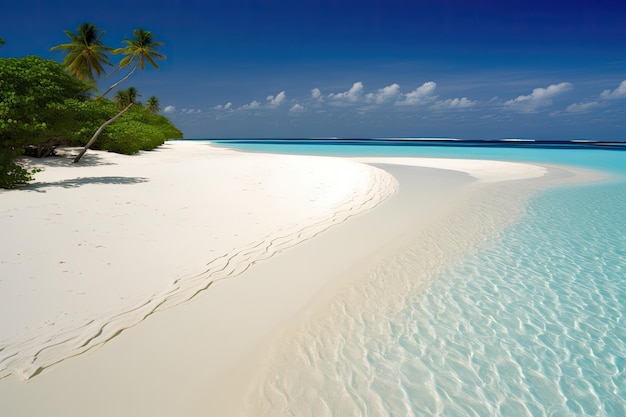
<point>157,284</point>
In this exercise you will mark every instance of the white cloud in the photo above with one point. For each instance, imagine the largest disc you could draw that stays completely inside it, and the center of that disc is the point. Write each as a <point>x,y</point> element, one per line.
<point>619,92</point>
<point>582,107</point>
<point>420,95</point>
<point>316,94</point>
<point>540,97</point>
<point>253,105</point>
<point>190,111</point>
<point>275,101</point>
<point>226,106</point>
<point>385,95</point>
<point>455,103</point>
<point>296,108</point>
<point>353,95</point>
<point>169,109</point>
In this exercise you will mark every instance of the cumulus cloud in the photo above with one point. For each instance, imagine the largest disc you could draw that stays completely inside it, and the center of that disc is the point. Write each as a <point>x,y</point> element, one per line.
<point>252,105</point>
<point>316,94</point>
<point>226,106</point>
<point>582,107</point>
<point>272,102</point>
<point>540,97</point>
<point>420,95</point>
<point>619,92</point>
<point>455,103</point>
<point>169,109</point>
<point>353,95</point>
<point>190,111</point>
<point>296,108</point>
<point>387,94</point>
<point>275,101</point>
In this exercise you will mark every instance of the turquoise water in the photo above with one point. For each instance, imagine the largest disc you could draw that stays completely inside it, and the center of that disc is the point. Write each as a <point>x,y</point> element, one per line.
<point>613,161</point>
<point>533,324</point>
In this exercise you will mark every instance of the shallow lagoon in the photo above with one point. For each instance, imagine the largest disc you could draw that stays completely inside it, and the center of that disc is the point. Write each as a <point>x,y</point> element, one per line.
<point>531,324</point>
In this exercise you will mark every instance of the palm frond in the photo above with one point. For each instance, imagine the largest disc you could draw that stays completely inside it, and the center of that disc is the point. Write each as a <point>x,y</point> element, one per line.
<point>86,55</point>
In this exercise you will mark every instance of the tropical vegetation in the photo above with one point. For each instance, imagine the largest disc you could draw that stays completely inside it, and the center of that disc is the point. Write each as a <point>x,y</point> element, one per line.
<point>86,54</point>
<point>140,49</point>
<point>153,105</point>
<point>44,104</point>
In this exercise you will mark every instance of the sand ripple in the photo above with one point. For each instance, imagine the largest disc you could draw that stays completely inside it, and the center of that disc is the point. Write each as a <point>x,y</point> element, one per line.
<point>531,325</point>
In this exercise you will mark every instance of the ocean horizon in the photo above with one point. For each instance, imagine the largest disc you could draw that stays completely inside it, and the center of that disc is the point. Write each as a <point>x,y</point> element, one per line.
<point>529,324</point>
<point>519,150</point>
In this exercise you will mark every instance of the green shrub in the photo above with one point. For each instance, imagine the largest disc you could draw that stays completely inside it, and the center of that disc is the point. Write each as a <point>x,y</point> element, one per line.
<point>34,97</point>
<point>136,130</point>
<point>130,136</point>
<point>33,93</point>
<point>13,175</point>
<point>141,114</point>
<point>42,106</point>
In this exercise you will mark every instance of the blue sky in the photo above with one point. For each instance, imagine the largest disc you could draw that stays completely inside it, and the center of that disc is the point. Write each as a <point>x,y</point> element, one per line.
<point>369,68</point>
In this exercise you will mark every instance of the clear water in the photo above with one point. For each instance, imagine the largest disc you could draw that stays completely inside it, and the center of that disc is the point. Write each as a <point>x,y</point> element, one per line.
<point>613,161</point>
<point>533,324</point>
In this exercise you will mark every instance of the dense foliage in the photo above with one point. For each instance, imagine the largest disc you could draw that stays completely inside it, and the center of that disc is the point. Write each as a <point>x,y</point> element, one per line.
<point>33,94</point>
<point>42,106</point>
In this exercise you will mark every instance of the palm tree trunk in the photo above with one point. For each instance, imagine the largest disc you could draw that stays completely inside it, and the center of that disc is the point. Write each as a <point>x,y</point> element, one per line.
<point>100,129</point>
<point>121,81</point>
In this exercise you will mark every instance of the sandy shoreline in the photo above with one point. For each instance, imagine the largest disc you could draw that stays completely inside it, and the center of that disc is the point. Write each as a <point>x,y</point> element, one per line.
<point>199,357</point>
<point>195,214</point>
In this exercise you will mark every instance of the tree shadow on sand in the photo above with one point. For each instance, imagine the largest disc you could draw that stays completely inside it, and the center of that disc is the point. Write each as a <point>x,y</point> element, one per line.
<point>64,158</point>
<point>89,160</point>
<point>78,182</point>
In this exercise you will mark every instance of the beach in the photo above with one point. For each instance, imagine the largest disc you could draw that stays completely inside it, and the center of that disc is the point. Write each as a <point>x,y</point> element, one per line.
<point>160,283</point>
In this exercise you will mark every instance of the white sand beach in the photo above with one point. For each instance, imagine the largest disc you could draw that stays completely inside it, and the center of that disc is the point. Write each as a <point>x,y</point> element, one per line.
<point>157,284</point>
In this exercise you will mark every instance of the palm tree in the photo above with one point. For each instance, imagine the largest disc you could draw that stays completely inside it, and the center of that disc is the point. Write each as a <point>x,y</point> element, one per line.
<point>2,41</point>
<point>153,105</point>
<point>125,99</point>
<point>121,99</point>
<point>86,54</point>
<point>132,94</point>
<point>140,49</point>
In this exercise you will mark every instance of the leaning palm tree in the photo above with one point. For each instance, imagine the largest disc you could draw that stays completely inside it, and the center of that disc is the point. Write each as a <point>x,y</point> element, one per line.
<point>86,54</point>
<point>140,49</point>
<point>153,105</point>
<point>124,99</point>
